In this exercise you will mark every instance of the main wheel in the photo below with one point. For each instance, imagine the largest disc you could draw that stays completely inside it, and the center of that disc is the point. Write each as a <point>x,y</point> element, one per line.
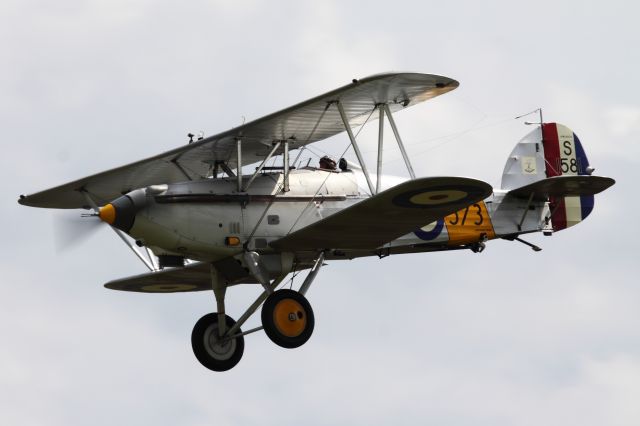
<point>213,352</point>
<point>287,318</point>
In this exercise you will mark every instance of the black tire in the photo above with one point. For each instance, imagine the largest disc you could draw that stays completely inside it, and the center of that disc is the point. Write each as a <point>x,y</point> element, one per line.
<point>287,318</point>
<point>213,356</point>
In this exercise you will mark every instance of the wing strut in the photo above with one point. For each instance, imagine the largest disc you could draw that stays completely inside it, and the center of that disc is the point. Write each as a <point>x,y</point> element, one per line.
<point>225,168</point>
<point>383,110</point>
<point>285,159</point>
<point>239,171</point>
<point>400,145</point>
<point>182,170</point>
<point>254,307</point>
<point>380,141</point>
<point>347,127</point>
<point>261,166</point>
<point>312,274</point>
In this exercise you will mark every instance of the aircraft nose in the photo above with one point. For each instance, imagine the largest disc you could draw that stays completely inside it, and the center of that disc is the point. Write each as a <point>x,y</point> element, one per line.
<point>107,214</point>
<point>121,212</point>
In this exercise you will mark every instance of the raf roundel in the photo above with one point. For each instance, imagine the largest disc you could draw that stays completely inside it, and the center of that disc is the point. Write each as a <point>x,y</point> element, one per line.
<point>431,231</point>
<point>430,198</point>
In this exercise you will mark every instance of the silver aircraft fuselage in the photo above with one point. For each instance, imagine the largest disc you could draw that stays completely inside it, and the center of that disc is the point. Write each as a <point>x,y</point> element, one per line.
<point>209,220</point>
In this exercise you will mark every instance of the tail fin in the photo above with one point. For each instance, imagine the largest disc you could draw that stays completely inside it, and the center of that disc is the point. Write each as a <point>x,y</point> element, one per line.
<point>551,150</point>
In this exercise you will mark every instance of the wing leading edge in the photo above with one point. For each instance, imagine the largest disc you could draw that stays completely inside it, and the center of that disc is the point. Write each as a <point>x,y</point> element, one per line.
<point>301,124</point>
<point>388,215</point>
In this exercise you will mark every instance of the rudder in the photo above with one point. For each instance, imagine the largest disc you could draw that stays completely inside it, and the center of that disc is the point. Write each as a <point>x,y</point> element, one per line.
<point>551,149</point>
<point>565,156</point>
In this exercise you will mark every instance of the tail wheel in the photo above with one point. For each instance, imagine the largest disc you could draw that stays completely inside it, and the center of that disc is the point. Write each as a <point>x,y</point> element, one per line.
<point>214,352</point>
<point>287,318</point>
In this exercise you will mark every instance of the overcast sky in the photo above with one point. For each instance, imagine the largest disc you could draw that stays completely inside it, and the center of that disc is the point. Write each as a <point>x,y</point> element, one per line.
<point>506,337</point>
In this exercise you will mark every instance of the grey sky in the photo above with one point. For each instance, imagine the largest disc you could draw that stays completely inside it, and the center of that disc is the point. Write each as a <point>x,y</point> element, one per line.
<point>508,337</point>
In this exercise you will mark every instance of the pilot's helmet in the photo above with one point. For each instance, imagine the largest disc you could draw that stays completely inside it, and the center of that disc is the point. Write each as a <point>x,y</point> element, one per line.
<point>327,163</point>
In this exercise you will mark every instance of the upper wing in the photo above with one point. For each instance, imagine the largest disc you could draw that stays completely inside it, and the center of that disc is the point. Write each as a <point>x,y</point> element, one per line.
<point>301,124</point>
<point>563,186</point>
<point>388,215</point>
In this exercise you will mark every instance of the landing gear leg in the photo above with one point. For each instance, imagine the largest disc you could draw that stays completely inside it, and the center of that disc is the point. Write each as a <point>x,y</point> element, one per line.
<point>219,291</point>
<point>211,348</point>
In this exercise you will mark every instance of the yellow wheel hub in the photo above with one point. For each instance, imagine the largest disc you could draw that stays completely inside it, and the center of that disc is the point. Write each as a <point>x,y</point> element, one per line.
<point>289,317</point>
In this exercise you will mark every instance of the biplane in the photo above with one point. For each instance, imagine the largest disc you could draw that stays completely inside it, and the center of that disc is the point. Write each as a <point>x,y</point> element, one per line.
<point>199,222</point>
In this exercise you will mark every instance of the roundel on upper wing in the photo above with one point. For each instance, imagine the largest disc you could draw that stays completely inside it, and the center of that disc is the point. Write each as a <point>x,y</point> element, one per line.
<point>430,231</point>
<point>433,198</point>
<point>168,288</point>
<point>424,198</point>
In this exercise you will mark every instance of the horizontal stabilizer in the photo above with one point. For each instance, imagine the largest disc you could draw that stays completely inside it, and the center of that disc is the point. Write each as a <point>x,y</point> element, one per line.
<point>388,215</point>
<point>563,186</point>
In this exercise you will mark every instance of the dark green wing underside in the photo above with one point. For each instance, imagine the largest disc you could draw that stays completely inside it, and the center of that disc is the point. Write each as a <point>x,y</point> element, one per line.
<point>388,215</point>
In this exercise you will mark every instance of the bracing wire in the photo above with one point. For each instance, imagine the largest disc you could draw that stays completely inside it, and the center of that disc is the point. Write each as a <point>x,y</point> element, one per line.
<point>451,137</point>
<point>304,210</point>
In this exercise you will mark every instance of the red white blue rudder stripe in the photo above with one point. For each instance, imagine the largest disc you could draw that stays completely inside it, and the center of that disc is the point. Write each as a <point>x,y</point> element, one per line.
<point>565,156</point>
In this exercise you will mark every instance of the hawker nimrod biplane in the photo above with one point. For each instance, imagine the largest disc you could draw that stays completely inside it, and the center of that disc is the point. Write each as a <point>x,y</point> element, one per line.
<point>198,223</point>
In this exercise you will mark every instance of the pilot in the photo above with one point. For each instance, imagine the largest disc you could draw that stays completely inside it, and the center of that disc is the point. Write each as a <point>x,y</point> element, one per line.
<point>327,163</point>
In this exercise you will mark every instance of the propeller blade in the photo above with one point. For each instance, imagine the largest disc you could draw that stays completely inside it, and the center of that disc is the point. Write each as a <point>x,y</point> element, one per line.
<point>71,230</point>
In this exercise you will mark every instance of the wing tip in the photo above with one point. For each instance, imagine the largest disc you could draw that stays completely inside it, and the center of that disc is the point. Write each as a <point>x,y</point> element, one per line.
<point>439,81</point>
